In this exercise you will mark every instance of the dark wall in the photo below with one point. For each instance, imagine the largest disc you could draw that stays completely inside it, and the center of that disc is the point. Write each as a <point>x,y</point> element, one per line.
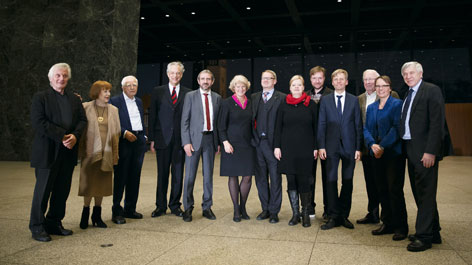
<point>98,39</point>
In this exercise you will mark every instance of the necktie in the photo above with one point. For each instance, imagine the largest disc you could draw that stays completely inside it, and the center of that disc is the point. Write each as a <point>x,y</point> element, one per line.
<point>207,112</point>
<point>174,97</point>
<point>406,106</point>
<point>265,96</point>
<point>340,106</point>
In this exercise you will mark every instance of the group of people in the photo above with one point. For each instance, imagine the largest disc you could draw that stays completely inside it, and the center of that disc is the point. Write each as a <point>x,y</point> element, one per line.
<point>265,134</point>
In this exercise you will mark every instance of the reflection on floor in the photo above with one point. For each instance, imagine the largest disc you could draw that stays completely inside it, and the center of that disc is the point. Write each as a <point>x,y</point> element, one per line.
<point>169,240</point>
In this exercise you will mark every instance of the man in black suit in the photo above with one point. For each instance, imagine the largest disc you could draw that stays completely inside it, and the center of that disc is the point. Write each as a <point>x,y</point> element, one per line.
<point>58,120</point>
<point>164,133</point>
<point>131,151</point>
<point>317,79</point>
<point>265,105</point>
<point>422,129</point>
<point>339,138</point>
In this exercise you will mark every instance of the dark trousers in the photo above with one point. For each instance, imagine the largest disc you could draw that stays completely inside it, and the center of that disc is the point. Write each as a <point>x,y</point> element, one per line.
<point>268,180</point>
<point>389,175</point>
<point>340,207</point>
<point>424,184</point>
<point>323,183</point>
<point>300,183</point>
<point>169,159</point>
<point>371,186</point>
<point>53,186</point>
<point>128,174</point>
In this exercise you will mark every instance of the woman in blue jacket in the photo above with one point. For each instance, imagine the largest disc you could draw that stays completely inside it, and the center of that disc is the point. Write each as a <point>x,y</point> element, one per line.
<point>384,143</point>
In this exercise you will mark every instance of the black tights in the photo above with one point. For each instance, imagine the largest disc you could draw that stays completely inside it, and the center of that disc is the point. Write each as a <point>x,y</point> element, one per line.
<point>239,190</point>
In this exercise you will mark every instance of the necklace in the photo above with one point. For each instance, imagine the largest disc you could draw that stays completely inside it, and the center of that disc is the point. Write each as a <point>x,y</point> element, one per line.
<point>100,117</point>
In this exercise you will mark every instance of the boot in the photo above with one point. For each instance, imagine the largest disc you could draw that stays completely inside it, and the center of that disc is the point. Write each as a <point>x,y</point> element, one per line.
<point>85,217</point>
<point>293,197</point>
<point>305,198</point>
<point>97,217</point>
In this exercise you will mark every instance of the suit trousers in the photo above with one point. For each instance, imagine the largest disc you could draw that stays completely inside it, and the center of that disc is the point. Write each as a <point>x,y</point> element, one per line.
<point>128,175</point>
<point>389,175</point>
<point>340,207</point>
<point>370,185</point>
<point>270,192</point>
<point>207,152</point>
<point>323,184</point>
<point>424,185</point>
<point>169,159</point>
<point>53,186</point>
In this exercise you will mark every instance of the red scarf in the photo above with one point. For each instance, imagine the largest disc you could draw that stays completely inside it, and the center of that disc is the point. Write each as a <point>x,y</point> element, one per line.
<point>293,101</point>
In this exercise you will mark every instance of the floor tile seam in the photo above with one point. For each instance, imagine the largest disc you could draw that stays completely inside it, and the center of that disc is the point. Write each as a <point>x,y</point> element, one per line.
<point>254,238</point>
<point>150,230</point>
<point>172,248</point>
<point>363,245</point>
<point>460,256</point>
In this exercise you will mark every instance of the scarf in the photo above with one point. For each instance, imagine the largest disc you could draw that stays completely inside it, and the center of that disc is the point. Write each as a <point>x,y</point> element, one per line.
<point>293,101</point>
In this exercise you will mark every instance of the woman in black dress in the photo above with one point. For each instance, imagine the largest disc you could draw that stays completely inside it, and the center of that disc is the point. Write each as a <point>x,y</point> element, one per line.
<point>235,132</point>
<point>295,146</point>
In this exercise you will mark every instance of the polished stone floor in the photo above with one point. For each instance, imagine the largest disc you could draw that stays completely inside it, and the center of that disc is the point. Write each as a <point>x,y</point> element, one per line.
<point>169,240</point>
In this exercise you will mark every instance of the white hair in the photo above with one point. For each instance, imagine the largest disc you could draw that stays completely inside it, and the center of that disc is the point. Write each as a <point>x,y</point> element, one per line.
<point>417,65</point>
<point>177,63</point>
<point>370,71</point>
<point>61,66</point>
<point>127,77</point>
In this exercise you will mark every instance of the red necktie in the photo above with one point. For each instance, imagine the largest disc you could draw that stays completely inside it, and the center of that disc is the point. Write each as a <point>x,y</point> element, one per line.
<point>207,112</point>
<point>174,96</point>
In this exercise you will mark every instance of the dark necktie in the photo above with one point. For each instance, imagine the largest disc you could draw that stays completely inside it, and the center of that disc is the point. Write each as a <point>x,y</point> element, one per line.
<point>265,96</point>
<point>340,107</point>
<point>174,97</point>
<point>207,112</point>
<point>406,106</point>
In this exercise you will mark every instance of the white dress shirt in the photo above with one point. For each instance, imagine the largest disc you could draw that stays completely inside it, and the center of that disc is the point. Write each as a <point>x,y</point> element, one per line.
<point>343,99</point>
<point>407,135</point>
<point>134,115</point>
<point>271,92</point>
<point>177,89</point>
<point>210,106</point>
<point>370,99</point>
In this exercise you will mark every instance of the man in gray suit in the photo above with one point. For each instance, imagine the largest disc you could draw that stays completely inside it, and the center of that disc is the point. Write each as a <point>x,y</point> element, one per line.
<point>199,138</point>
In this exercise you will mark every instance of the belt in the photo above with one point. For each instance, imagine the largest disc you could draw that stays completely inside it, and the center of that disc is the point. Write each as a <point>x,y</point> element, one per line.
<point>137,132</point>
<point>207,132</point>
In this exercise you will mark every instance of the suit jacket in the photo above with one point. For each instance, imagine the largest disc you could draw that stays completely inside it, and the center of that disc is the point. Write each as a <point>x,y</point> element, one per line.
<point>193,119</point>
<point>125,122</point>
<point>165,117</point>
<point>381,127</point>
<point>332,129</point>
<point>48,133</point>
<point>274,102</point>
<point>427,122</point>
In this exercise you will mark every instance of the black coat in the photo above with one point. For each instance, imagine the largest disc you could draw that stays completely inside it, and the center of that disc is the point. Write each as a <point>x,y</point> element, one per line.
<point>274,102</point>
<point>48,133</point>
<point>295,135</point>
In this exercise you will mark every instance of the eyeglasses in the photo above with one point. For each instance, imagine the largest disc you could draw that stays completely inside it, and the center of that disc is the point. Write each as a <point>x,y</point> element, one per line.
<point>267,78</point>
<point>381,86</point>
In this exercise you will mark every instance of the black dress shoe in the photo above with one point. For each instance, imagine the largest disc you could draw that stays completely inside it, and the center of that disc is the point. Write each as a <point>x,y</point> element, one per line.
<point>177,212</point>
<point>244,215</point>
<point>418,245</point>
<point>399,236</point>
<point>158,212</point>
<point>57,230</point>
<point>187,215</point>
<point>436,238</point>
<point>237,218</point>
<point>208,213</point>
<point>346,223</point>
<point>133,215</point>
<point>263,215</point>
<point>274,218</point>
<point>368,219</point>
<point>118,219</point>
<point>325,216</point>
<point>331,223</point>
<point>382,230</point>
<point>41,236</point>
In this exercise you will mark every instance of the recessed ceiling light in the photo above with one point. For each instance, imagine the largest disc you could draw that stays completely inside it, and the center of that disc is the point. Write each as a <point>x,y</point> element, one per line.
<point>143,18</point>
<point>260,50</point>
<point>279,49</point>
<point>248,40</point>
<point>340,35</point>
<point>363,45</point>
<point>239,51</point>
<point>319,48</point>
<point>340,46</point>
<point>167,15</point>
<point>248,8</point>
<point>228,41</point>
<point>203,54</point>
<point>453,40</point>
<point>193,13</point>
<point>339,1</point>
<point>299,48</point>
<point>221,52</point>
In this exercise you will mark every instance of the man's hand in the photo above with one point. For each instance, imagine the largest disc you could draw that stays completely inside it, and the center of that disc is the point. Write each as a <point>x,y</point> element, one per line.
<point>69,140</point>
<point>228,147</point>
<point>130,136</point>
<point>428,160</point>
<point>188,148</point>
<point>152,147</point>
<point>322,154</point>
<point>278,153</point>
<point>315,154</point>
<point>358,155</point>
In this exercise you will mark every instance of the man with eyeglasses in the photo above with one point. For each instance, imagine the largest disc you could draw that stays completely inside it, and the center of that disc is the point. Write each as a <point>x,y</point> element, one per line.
<point>268,181</point>
<point>365,99</point>
<point>132,147</point>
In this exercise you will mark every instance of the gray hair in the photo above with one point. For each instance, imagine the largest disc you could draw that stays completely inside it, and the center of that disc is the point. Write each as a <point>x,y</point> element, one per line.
<point>61,66</point>
<point>208,72</point>
<point>177,63</point>
<point>371,71</point>
<point>126,77</point>
<point>417,65</point>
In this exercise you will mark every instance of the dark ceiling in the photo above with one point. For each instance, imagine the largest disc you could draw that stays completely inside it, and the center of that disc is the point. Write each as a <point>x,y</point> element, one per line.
<point>221,29</point>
